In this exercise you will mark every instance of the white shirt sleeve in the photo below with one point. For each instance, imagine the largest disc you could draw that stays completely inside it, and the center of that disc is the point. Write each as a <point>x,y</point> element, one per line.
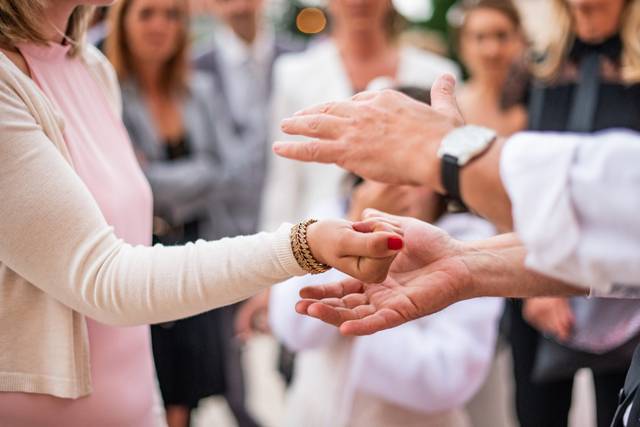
<point>576,206</point>
<point>432,364</point>
<point>295,331</point>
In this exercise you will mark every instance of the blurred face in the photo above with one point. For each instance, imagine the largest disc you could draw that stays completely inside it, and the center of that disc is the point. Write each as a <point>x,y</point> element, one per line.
<point>154,29</point>
<point>241,15</point>
<point>403,200</point>
<point>489,42</point>
<point>595,20</point>
<point>360,15</point>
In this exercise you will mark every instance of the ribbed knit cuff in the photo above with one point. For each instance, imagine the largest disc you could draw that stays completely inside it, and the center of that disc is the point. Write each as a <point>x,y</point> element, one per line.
<point>282,246</point>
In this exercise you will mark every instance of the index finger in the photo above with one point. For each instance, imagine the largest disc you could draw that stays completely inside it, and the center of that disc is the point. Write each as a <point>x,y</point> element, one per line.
<point>374,322</point>
<point>333,290</point>
<point>336,108</point>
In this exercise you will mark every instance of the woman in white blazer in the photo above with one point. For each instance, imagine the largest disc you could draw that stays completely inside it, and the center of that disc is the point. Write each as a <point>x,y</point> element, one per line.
<point>361,48</point>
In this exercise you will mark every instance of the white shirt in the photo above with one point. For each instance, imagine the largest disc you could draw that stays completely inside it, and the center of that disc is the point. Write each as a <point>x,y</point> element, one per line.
<point>421,373</point>
<point>246,70</point>
<point>576,206</point>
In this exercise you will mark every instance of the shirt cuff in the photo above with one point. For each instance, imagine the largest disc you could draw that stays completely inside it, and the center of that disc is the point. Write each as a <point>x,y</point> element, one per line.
<point>535,170</point>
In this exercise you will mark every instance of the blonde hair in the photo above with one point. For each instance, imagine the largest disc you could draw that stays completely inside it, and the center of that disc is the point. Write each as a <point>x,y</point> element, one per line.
<point>21,22</point>
<point>558,48</point>
<point>176,71</point>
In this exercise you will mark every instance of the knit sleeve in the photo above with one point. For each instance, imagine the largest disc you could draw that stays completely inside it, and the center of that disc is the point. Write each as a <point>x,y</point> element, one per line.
<point>55,237</point>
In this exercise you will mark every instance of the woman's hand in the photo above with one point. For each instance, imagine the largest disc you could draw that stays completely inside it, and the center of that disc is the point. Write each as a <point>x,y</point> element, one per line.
<point>551,316</point>
<point>366,255</point>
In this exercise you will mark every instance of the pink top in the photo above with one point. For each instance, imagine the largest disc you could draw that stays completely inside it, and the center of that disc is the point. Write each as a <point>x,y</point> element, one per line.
<point>121,361</point>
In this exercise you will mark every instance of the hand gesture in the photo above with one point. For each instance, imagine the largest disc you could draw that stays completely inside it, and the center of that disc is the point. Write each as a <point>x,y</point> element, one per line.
<point>384,136</point>
<point>427,276</point>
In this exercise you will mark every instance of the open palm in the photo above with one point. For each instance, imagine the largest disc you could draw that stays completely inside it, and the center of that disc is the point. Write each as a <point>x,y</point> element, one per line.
<point>425,277</point>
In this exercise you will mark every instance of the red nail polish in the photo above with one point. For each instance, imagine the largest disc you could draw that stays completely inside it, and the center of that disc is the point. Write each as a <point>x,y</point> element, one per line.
<point>395,243</point>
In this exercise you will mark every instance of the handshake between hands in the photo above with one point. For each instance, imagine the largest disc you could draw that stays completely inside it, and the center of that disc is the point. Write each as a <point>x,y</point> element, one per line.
<point>426,276</point>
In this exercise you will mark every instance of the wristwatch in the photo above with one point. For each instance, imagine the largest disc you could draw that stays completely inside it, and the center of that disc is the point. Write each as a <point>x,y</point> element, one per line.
<point>457,148</point>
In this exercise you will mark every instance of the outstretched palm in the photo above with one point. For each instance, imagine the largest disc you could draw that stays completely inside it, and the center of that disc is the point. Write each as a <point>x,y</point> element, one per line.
<point>424,279</point>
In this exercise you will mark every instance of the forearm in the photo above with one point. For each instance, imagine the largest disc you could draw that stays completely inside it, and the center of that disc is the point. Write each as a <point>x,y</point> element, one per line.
<point>482,188</point>
<point>55,237</point>
<point>496,268</point>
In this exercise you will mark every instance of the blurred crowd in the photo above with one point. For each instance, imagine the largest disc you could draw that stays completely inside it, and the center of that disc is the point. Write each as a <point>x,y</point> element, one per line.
<point>202,119</point>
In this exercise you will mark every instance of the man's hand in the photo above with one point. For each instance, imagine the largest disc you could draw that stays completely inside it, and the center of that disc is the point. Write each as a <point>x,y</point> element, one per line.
<point>431,272</point>
<point>384,136</point>
<point>426,277</point>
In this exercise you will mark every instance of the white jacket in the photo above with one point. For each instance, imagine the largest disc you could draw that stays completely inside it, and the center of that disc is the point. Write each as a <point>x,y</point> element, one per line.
<point>312,77</point>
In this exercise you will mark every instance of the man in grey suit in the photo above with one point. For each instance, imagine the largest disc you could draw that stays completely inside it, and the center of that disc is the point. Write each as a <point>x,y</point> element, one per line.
<point>240,59</point>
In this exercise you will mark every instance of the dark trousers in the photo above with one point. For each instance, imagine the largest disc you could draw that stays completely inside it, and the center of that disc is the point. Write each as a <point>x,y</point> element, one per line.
<point>547,404</point>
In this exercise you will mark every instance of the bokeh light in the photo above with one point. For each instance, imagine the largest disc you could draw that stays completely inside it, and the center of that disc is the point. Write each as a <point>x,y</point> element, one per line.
<point>311,20</point>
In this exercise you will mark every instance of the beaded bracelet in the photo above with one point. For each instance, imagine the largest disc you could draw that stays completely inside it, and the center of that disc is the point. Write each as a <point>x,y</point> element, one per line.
<point>302,251</point>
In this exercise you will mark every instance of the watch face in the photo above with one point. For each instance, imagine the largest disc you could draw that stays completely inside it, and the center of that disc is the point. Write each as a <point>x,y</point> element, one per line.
<point>466,142</point>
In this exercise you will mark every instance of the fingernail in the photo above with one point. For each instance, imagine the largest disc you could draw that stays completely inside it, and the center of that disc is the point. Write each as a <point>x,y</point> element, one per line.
<point>395,243</point>
<point>284,123</point>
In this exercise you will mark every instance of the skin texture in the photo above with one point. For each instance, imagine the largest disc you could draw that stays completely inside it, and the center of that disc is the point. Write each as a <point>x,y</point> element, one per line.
<point>357,133</point>
<point>432,272</point>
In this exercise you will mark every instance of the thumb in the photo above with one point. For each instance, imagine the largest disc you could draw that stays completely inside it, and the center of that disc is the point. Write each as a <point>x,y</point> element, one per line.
<point>443,98</point>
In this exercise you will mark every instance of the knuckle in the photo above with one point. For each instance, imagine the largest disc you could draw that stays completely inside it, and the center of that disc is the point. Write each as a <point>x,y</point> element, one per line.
<point>313,124</point>
<point>313,150</point>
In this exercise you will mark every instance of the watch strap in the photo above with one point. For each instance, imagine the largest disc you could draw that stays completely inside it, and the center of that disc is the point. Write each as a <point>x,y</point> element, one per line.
<point>451,177</point>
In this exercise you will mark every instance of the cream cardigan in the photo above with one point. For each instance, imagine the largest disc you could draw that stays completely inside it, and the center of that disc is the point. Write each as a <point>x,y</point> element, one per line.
<point>60,261</point>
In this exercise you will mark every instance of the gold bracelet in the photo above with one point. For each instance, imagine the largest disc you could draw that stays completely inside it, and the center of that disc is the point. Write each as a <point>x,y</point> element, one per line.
<point>302,251</point>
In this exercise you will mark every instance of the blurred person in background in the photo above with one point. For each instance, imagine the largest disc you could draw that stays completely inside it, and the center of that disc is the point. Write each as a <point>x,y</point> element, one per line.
<point>490,40</point>
<point>362,47</point>
<point>240,59</point>
<point>588,80</point>
<point>445,358</point>
<point>79,279</point>
<point>177,125</point>
<point>419,374</point>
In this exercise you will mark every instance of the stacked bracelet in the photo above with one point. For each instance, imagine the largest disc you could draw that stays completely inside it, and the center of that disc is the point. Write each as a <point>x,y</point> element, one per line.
<point>302,251</point>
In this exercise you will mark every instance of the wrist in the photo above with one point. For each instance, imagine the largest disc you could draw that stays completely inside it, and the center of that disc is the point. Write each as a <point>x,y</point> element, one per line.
<point>313,238</point>
<point>427,163</point>
<point>305,244</point>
